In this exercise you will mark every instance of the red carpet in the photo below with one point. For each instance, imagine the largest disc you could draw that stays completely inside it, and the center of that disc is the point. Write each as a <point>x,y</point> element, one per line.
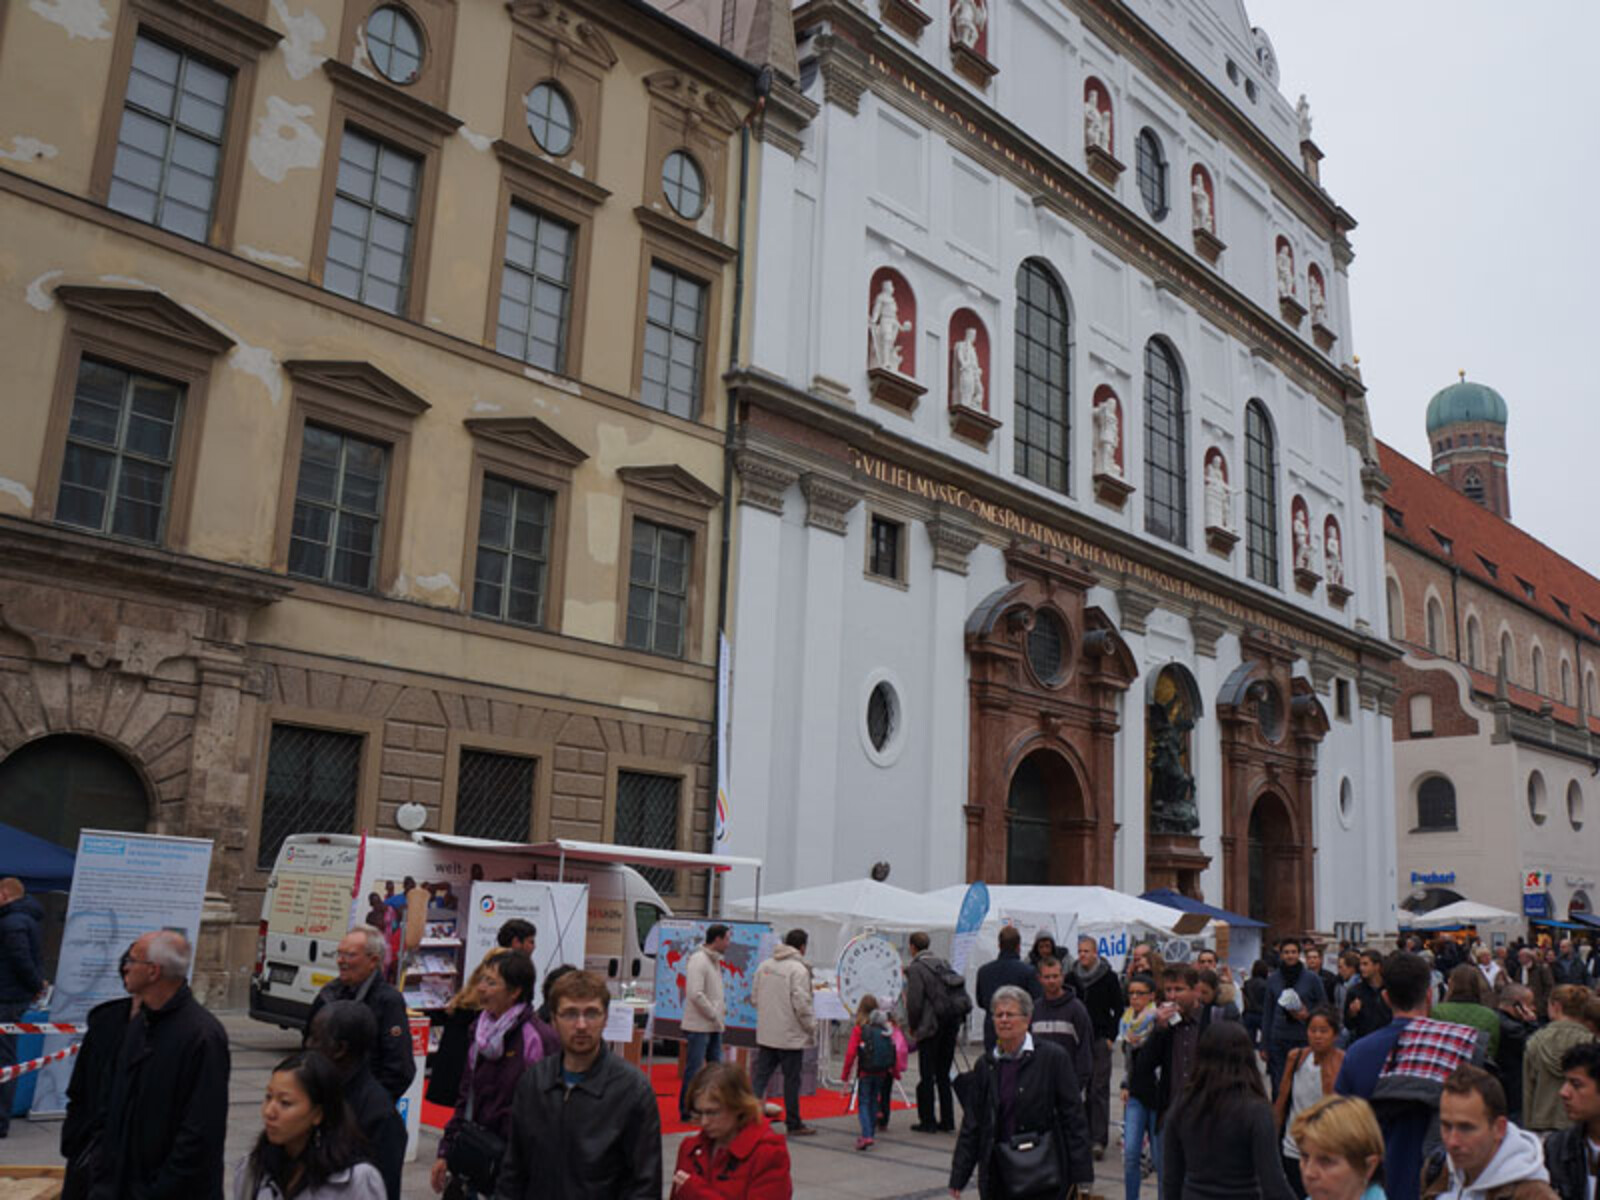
<point>664,1077</point>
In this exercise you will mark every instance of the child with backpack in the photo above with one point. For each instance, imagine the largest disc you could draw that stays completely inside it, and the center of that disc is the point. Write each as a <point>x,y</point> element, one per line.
<point>871,1051</point>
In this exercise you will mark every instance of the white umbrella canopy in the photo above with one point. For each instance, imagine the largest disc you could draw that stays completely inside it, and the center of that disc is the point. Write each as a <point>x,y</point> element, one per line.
<point>1465,912</point>
<point>833,913</point>
<point>1093,907</point>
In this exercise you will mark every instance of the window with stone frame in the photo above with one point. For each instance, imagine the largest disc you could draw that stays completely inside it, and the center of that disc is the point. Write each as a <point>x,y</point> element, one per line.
<point>338,508</point>
<point>1043,352</point>
<point>674,342</point>
<point>886,549</point>
<point>1436,804</point>
<point>647,815</point>
<point>1166,454</point>
<point>1261,495</point>
<point>495,795</point>
<point>658,588</point>
<point>536,288</point>
<point>513,559</point>
<point>312,785</point>
<point>1151,168</point>
<point>371,236</point>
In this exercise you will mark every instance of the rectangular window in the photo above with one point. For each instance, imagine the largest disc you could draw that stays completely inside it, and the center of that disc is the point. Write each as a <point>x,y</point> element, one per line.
<point>647,815</point>
<point>883,559</point>
<point>658,588</point>
<point>513,552</point>
<point>674,343</point>
<point>1261,498</point>
<point>116,476</point>
<point>338,508</point>
<point>1341,698</point>
<point>169,146</point>
<point>312,779</point>
<point>374,218</point>
<point>494,796</point>
<point>535,289</point>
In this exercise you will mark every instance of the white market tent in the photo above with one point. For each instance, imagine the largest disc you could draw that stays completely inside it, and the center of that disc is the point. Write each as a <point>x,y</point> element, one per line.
<point>1092,908</point>
<point>1464,912</point>
<point>833,913</point>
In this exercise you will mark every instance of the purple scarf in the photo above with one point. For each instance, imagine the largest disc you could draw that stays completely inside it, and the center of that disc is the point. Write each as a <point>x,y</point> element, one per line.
<point>489,1034</point>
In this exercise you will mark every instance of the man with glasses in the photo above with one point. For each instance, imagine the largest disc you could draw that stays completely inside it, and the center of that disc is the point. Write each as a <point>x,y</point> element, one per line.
<point>360,958</point>
<point>584,1124</point>
<point>167,1114</point>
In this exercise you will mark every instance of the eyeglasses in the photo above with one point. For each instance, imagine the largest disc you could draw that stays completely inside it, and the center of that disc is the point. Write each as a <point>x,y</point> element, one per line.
<point>573,1016</point>
<point>707,1114</point>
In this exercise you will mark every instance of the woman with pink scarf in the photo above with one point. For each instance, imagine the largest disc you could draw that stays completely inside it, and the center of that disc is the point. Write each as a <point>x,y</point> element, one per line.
<point>507,1039</point>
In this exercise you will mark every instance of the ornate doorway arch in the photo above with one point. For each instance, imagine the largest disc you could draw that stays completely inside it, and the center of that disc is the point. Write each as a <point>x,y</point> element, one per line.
<point>54,786</point>
<point>1049,837</point>
<point>1272,863</point>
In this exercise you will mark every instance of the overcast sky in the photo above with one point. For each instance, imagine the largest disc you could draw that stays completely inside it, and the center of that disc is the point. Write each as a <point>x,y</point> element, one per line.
<point>1461,136</point>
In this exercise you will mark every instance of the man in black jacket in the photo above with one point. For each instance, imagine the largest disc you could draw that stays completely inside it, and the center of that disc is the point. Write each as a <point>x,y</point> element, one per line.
<point>344,1032</point>
<point>934,1026</point>
<point>90,1088</point>
<point>1364,1007</point>
<point>1293,990</point>
<point>1101,993</point>
<point>167,1115</point>
<point>1569,1152</point>
<point>21,975</point>
<point>360,957</point>
<point>1517,1024</point>
<point>584,1125</point>
<point>1021,1086</point>
<point>1008,970</point>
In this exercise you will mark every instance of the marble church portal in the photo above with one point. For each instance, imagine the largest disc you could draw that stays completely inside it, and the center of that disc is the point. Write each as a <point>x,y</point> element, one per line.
<point>1058,551</point>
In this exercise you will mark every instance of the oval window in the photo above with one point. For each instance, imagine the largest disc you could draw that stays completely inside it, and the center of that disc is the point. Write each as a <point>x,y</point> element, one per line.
<point>883,716</point>
<point>683,184</point>
<point>1046,647</point>
<point>550,120</point>
<point>394,44</point>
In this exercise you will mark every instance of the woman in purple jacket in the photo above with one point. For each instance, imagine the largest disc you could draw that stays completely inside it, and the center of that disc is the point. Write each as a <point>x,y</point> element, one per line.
<point>507,1038</point>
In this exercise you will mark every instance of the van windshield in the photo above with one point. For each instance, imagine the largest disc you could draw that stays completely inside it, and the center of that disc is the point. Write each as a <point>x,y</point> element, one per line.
<point>646,915</point>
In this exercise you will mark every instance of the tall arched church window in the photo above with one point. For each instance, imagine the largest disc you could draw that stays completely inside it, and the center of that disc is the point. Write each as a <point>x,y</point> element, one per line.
<point>1566,682</point>
<point>1043,352</point>
<point>1436,638</point>
<point>1166,472</point>
<point>1472,486</point>
<point>1508,658</point>
<point>1261,494</point>
<point>1538,670</point>
<point>1397,612</point>
<point>1591,693</point>
<point>1474,643</point>
<point>1151,168</point>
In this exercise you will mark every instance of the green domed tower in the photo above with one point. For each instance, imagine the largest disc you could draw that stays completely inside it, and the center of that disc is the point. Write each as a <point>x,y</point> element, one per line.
<point>1467,430</point>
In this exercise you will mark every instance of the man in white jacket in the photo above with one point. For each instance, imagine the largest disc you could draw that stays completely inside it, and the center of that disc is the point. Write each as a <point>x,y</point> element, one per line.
<point>1486,1156</point>
<point>705,1015</point>
<point>785,1024</point>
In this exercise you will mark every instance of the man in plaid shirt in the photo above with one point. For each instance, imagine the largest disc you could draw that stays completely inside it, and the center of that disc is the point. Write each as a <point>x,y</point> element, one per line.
<point>1401,1069</point>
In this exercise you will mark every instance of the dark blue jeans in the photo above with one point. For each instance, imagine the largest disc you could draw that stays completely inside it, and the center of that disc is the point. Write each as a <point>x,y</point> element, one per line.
<point>703,1048</point>
<point>9,1013</point>
<point>869,1093</point>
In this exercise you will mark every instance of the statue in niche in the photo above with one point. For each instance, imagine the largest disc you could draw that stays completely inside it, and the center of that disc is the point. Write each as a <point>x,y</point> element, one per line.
<point>1333,554</point>
<point>1303,550</point>
<point>1319,298</point>
<point>1302,112</point>
<point>884,328</point>
<point>1107,436</point>
<point>1204,217</point>
<point>1285,270</point>
<point>967,20</point>
<point>1096,122</point>
<point>969,371</point>
<point>1217,494</point>
<point>1172,806</point>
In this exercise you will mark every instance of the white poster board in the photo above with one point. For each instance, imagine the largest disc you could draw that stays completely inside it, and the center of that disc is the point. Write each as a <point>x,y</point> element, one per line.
<point>558,911</point>
<point>123,885</point>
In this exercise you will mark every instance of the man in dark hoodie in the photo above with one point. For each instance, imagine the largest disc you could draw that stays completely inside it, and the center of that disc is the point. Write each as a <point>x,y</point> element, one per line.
<point>21,975</point>
<point>1292,992</point>
<point>1006,970</point>
<point>1097,986</point>
<point>1060,1017</point>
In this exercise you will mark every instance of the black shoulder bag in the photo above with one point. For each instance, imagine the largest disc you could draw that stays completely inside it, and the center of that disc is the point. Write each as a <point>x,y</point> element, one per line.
<point>1029,1164</point>
<point>476,1152</point>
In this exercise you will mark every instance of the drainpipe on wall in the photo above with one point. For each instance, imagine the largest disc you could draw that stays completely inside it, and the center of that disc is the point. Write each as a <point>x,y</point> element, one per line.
<point>1455,607</point>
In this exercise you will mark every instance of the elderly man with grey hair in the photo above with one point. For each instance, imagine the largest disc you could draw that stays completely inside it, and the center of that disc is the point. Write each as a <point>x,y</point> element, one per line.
<point>1021,1087</point>
<point>360,958</point>
<point>167,1115</point>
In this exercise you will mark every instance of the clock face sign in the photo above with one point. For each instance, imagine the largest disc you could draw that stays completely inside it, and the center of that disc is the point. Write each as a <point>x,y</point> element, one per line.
<point>870,966</point>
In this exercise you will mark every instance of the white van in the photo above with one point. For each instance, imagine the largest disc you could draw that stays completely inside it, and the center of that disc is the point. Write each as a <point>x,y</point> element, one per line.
<point>314,896</point>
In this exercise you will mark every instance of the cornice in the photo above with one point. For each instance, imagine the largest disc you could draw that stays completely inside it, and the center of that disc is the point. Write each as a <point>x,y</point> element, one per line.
<point>693,239</point>
<point>417,113</point>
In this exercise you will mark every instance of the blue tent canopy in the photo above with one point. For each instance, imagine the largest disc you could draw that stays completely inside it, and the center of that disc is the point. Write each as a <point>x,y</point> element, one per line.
<point>42,865</point>
<point>1178,900</point>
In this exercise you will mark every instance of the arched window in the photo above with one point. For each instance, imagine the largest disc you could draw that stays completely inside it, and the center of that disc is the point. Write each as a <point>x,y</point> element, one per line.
<point>1472,486</point>
<point>1151,167</point>
<point>1261,494</point>
<point>1575,805</point>
<point>1397,611</point>
<point>1474,643</point>
<point>1538,670</point>
<point>1566,682</point>
<point>1436,639</point>
<point>1436,804</point>
<point>1508,657</point>
<point>1538,799</point>
<point>1591,693</point>
<point>1166,472</point>
<point>1043,350</point>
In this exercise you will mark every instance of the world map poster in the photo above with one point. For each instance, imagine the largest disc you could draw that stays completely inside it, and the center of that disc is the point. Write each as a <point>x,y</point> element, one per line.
<point>676,939</point>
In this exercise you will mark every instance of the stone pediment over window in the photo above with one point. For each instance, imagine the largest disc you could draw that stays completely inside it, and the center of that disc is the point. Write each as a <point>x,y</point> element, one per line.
<point>696,101</point>
<point>147,312</point>
<point>530,436</point>
<point>386,109</point>
<point>670,482</point>
<point>566,32</point>
<point>356,380</point>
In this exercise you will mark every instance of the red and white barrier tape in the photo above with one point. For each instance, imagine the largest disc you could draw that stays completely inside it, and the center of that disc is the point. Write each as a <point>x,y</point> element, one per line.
<point>7,1074</point>
<point>42,1027</point>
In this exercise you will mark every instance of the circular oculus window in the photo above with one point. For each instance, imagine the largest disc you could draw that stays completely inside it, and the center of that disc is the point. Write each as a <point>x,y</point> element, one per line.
<point>394,44</point>
<point>549,114</point>
<point>684,185</point>
<point>1047,647</point>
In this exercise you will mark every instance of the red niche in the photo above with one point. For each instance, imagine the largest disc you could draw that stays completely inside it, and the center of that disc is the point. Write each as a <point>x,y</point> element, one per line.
<point>1098,127</point>
<point>1215,456</point>
<point>1317,287</point>
<point>969,19</point>
<point>897,308</point>
<point>1203,199</point>
<point>1332,536</point>
<point>967,329</point>
<point>1105,392</point>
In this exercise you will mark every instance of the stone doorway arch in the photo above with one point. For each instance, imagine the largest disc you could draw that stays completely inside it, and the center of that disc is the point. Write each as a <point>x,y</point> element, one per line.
<point>54,786</point>
<point>1049,836</point>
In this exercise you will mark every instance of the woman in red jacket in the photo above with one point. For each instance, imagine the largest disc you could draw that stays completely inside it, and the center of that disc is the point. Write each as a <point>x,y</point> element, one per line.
<point>735,1156</point>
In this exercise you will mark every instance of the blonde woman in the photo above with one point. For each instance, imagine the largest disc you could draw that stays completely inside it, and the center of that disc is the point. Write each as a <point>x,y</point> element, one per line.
<point>1341,1149</point>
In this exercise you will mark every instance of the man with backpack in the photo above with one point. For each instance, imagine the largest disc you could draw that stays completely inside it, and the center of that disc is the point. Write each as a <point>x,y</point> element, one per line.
<point>936,1006</point>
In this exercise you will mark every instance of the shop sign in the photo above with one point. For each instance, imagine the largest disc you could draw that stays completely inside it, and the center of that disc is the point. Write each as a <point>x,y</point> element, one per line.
<point>1534,882</point>
<point>1536,905</point>
<point>1429,878</point>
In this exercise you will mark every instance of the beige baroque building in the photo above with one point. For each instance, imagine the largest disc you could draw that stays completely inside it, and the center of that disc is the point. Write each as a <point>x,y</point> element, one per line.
<point>363,426</point>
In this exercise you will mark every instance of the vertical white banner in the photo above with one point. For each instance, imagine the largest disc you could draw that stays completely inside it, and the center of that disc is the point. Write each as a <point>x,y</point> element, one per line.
<point>720,840</point>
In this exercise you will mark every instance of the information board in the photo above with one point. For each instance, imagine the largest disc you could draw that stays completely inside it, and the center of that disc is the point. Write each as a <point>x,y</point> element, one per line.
<point>677,938</point>
<point>558,911</point>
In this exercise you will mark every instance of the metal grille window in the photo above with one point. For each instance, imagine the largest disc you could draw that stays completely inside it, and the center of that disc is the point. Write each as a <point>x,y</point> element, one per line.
<point>116,476</point>
<point>1043,348</point>
<point>1046,646</point>
<point>883,716</point>
<point>647,815</point>
<point>1151,167</point>
<point>1166,470</point>
<point>338,509</point>
<point>494,796</point>
<point>1436,804</point>
<point>885,557</point>
<point>658,588</point>
<point>169,147</point>
<point>374,214</point>
<point>535,289</point>
<point>513,552</point>
<point>312,778</point>
<point>674,343</point>
<point>1261,495</point>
